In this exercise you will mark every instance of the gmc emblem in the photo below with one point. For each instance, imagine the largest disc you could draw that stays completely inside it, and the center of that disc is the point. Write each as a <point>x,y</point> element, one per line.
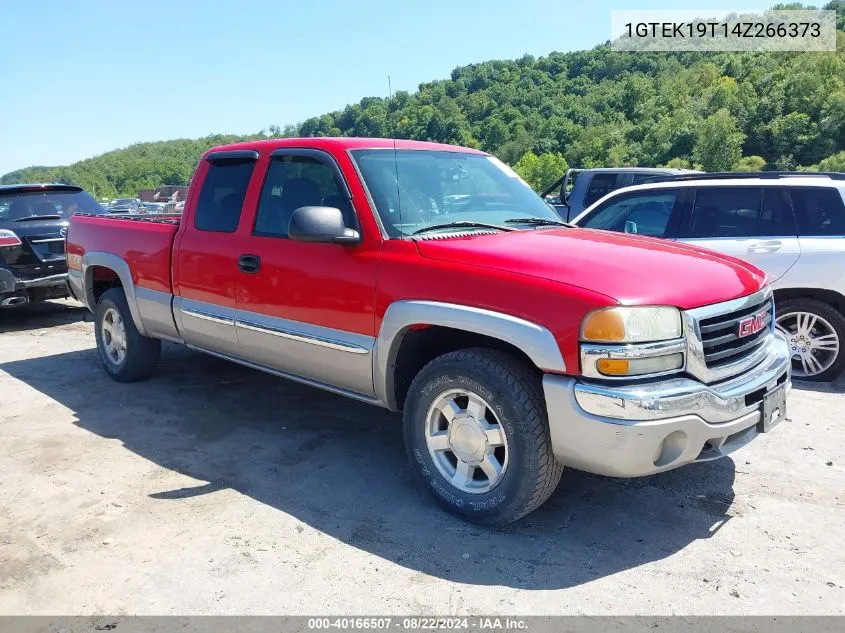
<point>752,324</point>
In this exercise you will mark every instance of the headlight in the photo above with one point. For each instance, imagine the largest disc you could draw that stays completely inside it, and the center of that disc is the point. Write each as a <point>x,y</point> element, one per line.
<point>634,324</point>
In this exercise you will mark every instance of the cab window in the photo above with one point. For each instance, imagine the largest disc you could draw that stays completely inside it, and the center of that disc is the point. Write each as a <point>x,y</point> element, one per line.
<point>641,213</point>
<point>222,196</point>
<point>298,181</point>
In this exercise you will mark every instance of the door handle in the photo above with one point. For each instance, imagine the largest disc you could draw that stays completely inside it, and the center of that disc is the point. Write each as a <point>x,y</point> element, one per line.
<point>770,246</point>
<point>249,263</point>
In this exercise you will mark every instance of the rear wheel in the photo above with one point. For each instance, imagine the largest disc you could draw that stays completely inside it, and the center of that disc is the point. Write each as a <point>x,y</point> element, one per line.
<point>126,355</point>
<point>815,331</point>
<point>477,434</point>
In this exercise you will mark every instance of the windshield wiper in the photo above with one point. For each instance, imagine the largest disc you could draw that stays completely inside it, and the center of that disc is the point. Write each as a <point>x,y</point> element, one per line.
<point>38,217</point>
<point>463,223</point>
<point>539,222</point>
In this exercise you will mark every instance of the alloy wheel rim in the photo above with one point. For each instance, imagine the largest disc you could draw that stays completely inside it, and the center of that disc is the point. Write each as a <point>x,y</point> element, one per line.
<point>466,441</point>
<point>813,342</point>
<point>114,336</point>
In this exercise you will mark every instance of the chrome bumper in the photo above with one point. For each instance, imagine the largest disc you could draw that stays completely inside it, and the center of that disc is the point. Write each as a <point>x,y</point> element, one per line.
<point>640,429</point>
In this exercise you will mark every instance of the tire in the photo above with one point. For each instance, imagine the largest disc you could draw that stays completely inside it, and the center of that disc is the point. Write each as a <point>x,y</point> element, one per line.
<point>513,404</point>
<point>140,354</point>
<point>828,321</point>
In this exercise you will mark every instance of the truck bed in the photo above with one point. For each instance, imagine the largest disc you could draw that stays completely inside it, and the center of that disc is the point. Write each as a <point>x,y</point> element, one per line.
<point>144,242</point>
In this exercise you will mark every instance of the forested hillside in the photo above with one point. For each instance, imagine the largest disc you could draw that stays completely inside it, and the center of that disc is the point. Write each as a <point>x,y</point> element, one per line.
<point>718,111</point>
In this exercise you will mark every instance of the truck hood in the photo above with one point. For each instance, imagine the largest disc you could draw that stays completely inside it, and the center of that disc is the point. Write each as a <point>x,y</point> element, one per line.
<point>632,270</point>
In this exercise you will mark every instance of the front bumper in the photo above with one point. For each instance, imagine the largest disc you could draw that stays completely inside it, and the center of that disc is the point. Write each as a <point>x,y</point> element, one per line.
<point>644,428</point>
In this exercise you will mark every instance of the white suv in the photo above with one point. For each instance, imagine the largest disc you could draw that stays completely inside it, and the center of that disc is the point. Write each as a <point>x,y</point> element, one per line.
<point>791,225</point>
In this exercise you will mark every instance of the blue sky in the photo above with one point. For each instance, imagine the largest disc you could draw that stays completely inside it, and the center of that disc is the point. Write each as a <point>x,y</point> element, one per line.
<point>89,76</point>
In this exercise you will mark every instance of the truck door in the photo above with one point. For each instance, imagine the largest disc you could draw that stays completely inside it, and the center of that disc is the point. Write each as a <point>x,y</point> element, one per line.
<point>752,223</point>
<point>206,256</point>
<point>307,309</point>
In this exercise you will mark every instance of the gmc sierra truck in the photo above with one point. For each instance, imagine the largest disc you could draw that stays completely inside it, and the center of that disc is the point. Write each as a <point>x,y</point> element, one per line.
<point>429,279</point>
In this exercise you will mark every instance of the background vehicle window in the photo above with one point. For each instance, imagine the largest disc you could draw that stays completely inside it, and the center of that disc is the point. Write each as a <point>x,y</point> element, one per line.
<point>820,211</point>
<point>293,182</point>
<point>600,186</point>
<point>222,196</point>
<point>645,213</point>
<point>726,212</point>
<point>61,204</point>
<point>776,219</point>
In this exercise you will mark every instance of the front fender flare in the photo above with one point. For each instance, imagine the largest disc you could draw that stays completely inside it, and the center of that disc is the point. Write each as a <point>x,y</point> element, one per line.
<point>121,269</point>
<point>536,341</point>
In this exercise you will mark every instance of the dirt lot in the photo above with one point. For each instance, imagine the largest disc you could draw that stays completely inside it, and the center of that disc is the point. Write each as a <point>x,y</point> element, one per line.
<point>216,489</point>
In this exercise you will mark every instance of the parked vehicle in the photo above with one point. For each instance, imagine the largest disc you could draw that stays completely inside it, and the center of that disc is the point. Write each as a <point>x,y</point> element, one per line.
<point>427,279</point>
<point>577,189</point>
<point>128,203</point>
<point>791,225</point>
<point>33,225</point>
<point>151,207</point>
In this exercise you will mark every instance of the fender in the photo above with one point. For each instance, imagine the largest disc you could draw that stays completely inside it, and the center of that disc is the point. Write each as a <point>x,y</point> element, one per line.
<point>121,268</point>
<point>534,340</point>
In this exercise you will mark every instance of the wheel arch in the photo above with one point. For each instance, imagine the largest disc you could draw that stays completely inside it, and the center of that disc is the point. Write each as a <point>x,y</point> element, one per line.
<point>832,297</point>
<point>106,270</point>
<point>414,332</point>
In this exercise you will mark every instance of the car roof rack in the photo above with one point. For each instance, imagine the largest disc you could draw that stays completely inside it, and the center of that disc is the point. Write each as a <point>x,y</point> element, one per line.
<point>765,175</point>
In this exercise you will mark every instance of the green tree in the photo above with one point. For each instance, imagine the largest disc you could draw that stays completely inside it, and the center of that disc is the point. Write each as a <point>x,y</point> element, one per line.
<point>541,171</point>
<point>750,163</point>
<point>719,143</point>
<point>832,163</point>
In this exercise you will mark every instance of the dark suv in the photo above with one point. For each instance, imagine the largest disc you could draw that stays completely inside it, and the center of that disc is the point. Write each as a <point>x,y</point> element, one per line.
<point>33,226</point>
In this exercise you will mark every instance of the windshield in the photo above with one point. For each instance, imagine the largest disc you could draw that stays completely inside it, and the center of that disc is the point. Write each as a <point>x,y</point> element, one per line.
<point>17,206</point>
<point>415,189</point>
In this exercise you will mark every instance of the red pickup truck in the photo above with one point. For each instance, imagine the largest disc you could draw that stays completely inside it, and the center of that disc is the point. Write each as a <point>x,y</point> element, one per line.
<point>430,279</point>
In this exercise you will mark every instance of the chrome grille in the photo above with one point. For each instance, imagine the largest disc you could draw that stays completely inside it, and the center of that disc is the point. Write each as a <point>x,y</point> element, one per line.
<point>715,351</point>
<point>721,338</point>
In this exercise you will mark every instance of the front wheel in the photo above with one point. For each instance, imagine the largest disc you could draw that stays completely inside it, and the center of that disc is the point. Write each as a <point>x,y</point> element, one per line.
<point>815,331</point>
<point>477,434</point>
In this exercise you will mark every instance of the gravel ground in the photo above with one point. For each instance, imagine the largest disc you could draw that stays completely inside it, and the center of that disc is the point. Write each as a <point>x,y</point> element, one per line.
<point>216,489</point>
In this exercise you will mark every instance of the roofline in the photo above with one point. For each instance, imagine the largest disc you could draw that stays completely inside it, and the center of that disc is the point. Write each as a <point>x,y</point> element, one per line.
<point>36,187</point>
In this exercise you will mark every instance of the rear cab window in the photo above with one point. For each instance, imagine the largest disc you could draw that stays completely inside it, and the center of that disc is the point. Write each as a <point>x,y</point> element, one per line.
<point>819,210</point>
<point>222,195</point>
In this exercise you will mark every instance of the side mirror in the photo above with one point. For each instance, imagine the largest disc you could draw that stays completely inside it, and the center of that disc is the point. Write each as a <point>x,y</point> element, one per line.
<point>321,224</point>
<point>630,227</point>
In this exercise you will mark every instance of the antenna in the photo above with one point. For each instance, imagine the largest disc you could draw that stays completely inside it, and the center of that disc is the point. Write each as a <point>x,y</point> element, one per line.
<point>395,158</point>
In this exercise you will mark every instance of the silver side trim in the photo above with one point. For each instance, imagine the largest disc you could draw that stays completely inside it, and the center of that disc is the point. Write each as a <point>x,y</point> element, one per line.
<point>536,341</point>
<point>283,374</point>
<point>207,317</point>
<point>156,310</point>
<point>314,340</point>
<point>45,240</point>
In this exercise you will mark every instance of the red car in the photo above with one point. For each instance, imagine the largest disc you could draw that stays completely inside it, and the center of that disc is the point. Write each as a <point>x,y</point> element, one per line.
<point>429,279</point>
